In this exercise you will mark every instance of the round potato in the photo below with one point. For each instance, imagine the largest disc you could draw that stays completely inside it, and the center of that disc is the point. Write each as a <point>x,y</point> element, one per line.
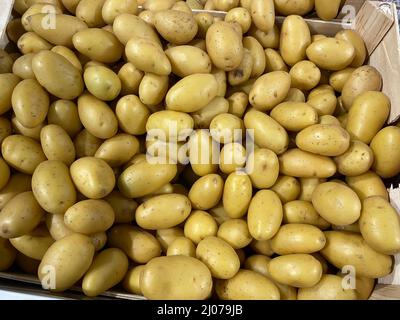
<point>305,75</point>
<point>237,194</point>
<point>367,185</point>
<point>206,192</point>
<point>102,82</point>
<point>263,168</point>
<point>56,144</point>
<point>327,10</point>
<point>287,188</point>
<point>301,211</point>
<point>200,225</point>
<point>357,160</point>
<point>90,12</point>
<point>203,153</point>
<point>7,254</point>
<point>323,100</point>
<point>235,232</point>
<point>294,116</point>
<point>241,16</point>
<point>226,128</point>
<point>182,246</point>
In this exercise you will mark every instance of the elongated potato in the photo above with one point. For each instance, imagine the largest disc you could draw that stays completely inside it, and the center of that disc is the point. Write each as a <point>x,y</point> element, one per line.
<point>186,60</point>
<point>124,208</point>
<point>263,14</point>
<point>300,7</point>
<point>64,113</point>
<point>90,12</point>
<point>206,192</point>
<point>358,43</point>
<point>294,116</point>
<point>237,194</point>
<point>263,168</point>
<point>301,211</point>
<point>367,185</point>
<point>7,254</point>
<point>327,10</point>
<point>132,115</point>
<point>357,160</point>
<point>30,42</point>
<point>203,153</point>
<point>56,144</point>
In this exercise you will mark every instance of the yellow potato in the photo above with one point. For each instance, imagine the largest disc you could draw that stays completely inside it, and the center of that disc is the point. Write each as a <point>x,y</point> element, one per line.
<point>65,262</point>
<point>237,103</point>
<point>204,21</point>
<point>69,55</point>
<point>287,188</point>
<point>237,194</point>
<point>226,128</point>
<point>224,46</point>
<point>157,5</point>
<point>305,75</point>
<point>263,168</point>
<point>257,54</point>
<point>203,153</point>
<point>206,192</point>
<point>327,10</point>
<point>385,146</point>
<point>64,113</point>
<point>380,225</point>
<point>338,79</point>
<point>153,88</point>
<point>323,100</point>
<point>358,43</point>
<point>200,225</point>
<point>130,78</point>
<point>347,248</point>
<point>93,177</point>
<point>30,42</point>
<point>330,287</point>
<point>186,60</point>
<point>328,119</point>
<point>367,185</point>
<point>203,117</point>
<point>113,8</point>
<point>294,40</point>
<point>243,72</point>
<point>301,211</point>
<point>176,278</point>
<point>90,12</point>
<point>132,115</point>
<point>131,282</point>
<point>368,115</point>
<point>267,132</point>
<point>182,246</point>
<point>268,39</point>
<point>166,236</point>
<point>138,245</point>
<point>124,208</point>
<point>303,164</point>
<point>300,7</point>
<point>7,254</point>
<point>102,82</point>
<point>357,160</point>
<point>274,61</point>
<point>294,116</point>
<point>8,82</point>
<point>17,183</point>
<point>296,270</point>
<point>235,232</point>
<point>98,44</point>
<point>86,144</point>
<point>56,144</point>
<point>263,14</point>
<point>241,16</point>
<point>56,226</point>
<point>364,287</point>
<point>107,270</point>
<point>22,67</point>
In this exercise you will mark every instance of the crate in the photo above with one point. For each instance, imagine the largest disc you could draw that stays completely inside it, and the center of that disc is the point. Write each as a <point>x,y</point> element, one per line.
<point>377,22</point>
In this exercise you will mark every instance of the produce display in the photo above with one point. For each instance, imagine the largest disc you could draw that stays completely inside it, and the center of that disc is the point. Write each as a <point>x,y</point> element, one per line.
<point>186,155</point>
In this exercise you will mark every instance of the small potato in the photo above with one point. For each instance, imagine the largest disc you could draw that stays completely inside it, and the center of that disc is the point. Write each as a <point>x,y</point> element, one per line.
<point>192,93</point>
<point>261,226</point>
<point>146,55</point>
<point>8,82</point>
<point>308,186</point>
<point>339,78</point>
<point>327,10</point>
<point>336,203</point>
<point>203,117</point>
<point>124,208</point>
<point>386,148</point>
<point>220,76</point>
<point>86,144</point>
<point>294,40</point>
<point>102,82</point>
<point>287,188</point>
<point>305,75</point>
<point>295,95</point>
<point>297,238</point>
<point>243,72</point>
<point>64,113</point>
<point>90,12</point>
<point>97,117</point>
<point>237,194</point>
<point>235,232</point>
<point>203,153</point>
<point>204,21</point>
<point>153,88</point>
<point>199,226</point>
<point>301,211</point>
<point>363,79</point>
<point>30,103</point>
<point>263,14</point>
<point>20,215</point>
<point>186,60</point>
<point>166,236</point>
<point>206,192</point>
<point>219,257</point>
<point>257,54</point>
<point>367,116</point>
<point>224,46</point>
<point>247,285</point>
<point>274,61</point>
<point>226,128</point>
<point>56,226</point>
<point>268,39</point>
<point>93,177</point>
<point>294,116</point>
<point>130,78</point>
<point>98,44</point>
<point>290,7</point>
<point>241,16</point>
<point>131,282</point>
<point>347,248</point>
<point>22,67</point>
<point>331,54</point>
<point>269,90</point>
<point>225,5</point>
<point>367,185</point>
<point>268,133</point>
<point>56,144</point>
<point>302,164</point>
<point>30,42</point>
<point>7,254</point>
<point>263,168</point>
<point>138,245</point>
<point>358,43</point>
<point>34,244</point>
<point>132,115</point>
<point>17,183</point>
<point>357,160</point>
<point>69,258</point>
<point>48,66</point>
<point>159,279</point>
<point>107,270</point>
<point>238,104</point>
<point>323,100</point>
<point>144,178</point>
<point>380,225</point>
<point>296,270</point>
<point>182,246</point>
<point>330,287</point>
<point>113,8</point>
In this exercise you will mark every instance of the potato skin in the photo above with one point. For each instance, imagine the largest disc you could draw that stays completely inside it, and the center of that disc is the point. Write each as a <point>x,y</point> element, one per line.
<point>206,192</point>
<point>367,185</point>
<point>302,211</point>
<point>237,194</point>
<point>294,116</point>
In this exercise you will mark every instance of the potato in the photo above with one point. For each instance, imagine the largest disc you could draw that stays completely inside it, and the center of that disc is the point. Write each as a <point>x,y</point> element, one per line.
<point>241,16</point>
<point>30,42</point>
<point>69,55</point>
<point>368,115</point>
<point>237,194</point>
<point>127,26</point>
<point>97,117</point>
<point>237,104</point>
<point>182,246</point>
<point>247,285</point>
<point>243,72</point>
<point>34,244</point>
<point>204,21</point>
<point>206,192</point>
<point>297,238</point>
<point>130,78</point>
<point>70,5</point>
<point>224,46</point>
<point>367,185</point>
<point>327,10</point>
<point>8,82</point>
<point>200,225</point>
<point>358,43</point>
<point>274,61</point>
<point>107,270</point>
<point>348,248</point>
<point>357,160</point>
<point>380,225</point>
<point>294,116</point>
<point>301,211</point>
<point>305,75</point>
<point>138,245</point>
<point>203,153</point>
<point>166,236</point>
<point>131,282</point>
<point>323,100</point>
<point>7,254</point>
<point>192,93</point>
<point>102,82</point>
<point>302,164</point>
<point>22,67</point>
<point>112,9</point>
<point>56,226</point>
<point>90,12</point>
<point>64,113</point>
<point>157,5</point>
<point>203,117</point>
<point>132,115</point>
<point>86,144</point>
<point>56,144</point>
<point>22,153</point>
<point>267,132</point>
<point>330,287</point>
<point>290,7</point>
<point>363,79</point>
<point>235,232</point>
<point>328,119</point>
<point>336,203</point>
<point>325,140</point>
<point>65,262</point>
<point>226,128</point>
<point>158,279</point>
<point>153,88</point>
<point>124,208</point>
<point>30,103</point>
<point>263,168</point>
<point>257,54</point>
<point>186,60</point>
<point>287,188</point>
<point>385,146</point>
<point>98,44</point>
<point>263,14</point>
<point>17,183</point>
<point>296,270</point>
<point>294,40</point>
<point>93,177</point>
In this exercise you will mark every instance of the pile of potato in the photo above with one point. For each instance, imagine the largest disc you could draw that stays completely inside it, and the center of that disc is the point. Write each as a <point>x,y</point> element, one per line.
<point>83,201</point>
